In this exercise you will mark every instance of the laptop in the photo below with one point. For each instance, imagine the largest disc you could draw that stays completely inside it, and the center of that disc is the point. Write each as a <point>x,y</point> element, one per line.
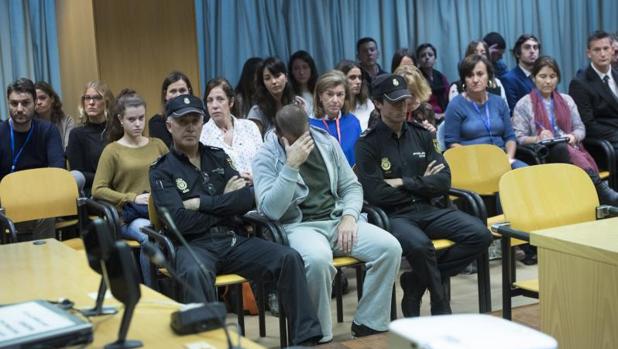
<point>41,324</point>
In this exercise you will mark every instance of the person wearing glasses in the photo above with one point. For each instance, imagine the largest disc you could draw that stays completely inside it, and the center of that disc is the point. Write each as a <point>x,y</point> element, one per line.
<point>87,141</point>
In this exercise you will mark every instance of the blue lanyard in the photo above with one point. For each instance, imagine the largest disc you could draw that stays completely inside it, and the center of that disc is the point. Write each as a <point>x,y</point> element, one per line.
<point>487,120</point>
<point>15,157</point>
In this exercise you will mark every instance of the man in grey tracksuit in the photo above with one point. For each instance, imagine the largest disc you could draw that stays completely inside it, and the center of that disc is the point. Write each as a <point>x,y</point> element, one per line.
<point>302,180</point>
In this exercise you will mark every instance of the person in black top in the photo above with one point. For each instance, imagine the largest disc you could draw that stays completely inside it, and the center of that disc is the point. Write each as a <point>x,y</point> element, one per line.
<point>174,84</point>
<point>205,196</point>
<point>402,173</point>
<point>27,143</point>
<point>87,142</point>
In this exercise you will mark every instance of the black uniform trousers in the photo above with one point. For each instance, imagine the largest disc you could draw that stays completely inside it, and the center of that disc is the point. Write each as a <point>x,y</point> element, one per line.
<point>253,259</point>
<point>417,226</point>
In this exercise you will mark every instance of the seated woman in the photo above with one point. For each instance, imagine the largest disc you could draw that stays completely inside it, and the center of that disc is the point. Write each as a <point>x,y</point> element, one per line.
<point>427,55</point>
<point>245,89</point>
<point>175,84</point>
<point>479,117</point>
<point>494,85</point>
<point>87,141</point>
<point>49,107</point>
<point>303,75</point>
<point>332,112</point>
<point>122,173</point>
<point>545,113</point>
<point>272,93</point>
<point>417,108</point>
<point>360,104</point>
<point>402,57</point>
<point>240,138</point>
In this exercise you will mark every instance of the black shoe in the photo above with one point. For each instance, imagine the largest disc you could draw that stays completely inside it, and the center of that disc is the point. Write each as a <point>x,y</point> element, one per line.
<point>412,294</point>
<point>441,308</point>
<point>607,195</point>
<point>530,260</point>
<point>363,331</point>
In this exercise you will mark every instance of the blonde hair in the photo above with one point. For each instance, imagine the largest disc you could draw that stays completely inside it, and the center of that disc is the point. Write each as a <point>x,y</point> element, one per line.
<point>329,80</point>
<point>417,84</point>
<point>103,90</point>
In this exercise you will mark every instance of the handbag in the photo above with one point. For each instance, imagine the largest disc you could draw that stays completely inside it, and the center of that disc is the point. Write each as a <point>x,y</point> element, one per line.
<point>131,211</point>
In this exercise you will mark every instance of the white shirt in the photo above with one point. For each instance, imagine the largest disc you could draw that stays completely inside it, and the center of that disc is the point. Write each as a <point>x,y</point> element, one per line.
<point>246,141</point>
<point>611,82</point>
<point>363,112</point>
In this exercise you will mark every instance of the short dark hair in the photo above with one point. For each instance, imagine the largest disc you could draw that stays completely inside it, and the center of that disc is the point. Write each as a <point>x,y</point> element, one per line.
<point>423,46</point>
<point>291,120</point>
<point>363,41</point>
<point>225,86</point>
<point>22,85</point>
<point>172,78</point>
<point>495,38</point>
<point>313,78</point>
<point>598,35</point>
<point>520,41</point>
<point>398,56</point>
<point>466,67</point>
<point>545,61</point>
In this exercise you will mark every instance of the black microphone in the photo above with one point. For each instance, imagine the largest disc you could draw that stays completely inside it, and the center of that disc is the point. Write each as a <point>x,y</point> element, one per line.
<point>202,318</point>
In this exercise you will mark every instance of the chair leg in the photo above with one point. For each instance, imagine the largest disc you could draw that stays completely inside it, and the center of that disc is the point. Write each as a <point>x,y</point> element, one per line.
<point>360,279</point>
<point>506,277</point>
<point>240,311</point>
<point>283,329</point>
<point>261,299</point>
<point>484,287</point>
<point>394,303</point>
<point>339,295</point>
<point>446,283</point>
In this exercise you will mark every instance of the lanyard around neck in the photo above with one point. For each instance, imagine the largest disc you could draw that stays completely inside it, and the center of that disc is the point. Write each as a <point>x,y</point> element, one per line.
<point>336,125</point>
<point>15,157</point>
<point>487,120</point>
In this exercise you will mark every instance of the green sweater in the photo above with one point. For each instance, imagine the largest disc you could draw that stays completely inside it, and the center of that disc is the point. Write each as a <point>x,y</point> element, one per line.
<point>122,173</point>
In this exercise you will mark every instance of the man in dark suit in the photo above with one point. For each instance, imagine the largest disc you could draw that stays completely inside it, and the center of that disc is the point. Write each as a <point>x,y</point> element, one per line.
<point>517,82</point>
<point>595,91</point>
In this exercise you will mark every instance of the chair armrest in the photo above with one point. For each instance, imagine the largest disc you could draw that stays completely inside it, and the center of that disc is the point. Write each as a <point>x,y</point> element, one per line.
<point>473,200</point>
<point>163,241</point>
<point>506,231</point>
<point>7,225</point>
<point>605,211</point>
<point>274,229</point>
<point>87,207</point>
<point>603,153</point>
<point>377,216</point>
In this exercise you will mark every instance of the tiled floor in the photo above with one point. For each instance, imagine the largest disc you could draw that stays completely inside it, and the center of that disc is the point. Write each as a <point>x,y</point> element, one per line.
<point>464,299</point>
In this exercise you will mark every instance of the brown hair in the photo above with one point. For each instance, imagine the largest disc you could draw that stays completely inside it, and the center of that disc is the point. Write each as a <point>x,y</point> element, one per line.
<point>127,98</point>
<point>329,80</point>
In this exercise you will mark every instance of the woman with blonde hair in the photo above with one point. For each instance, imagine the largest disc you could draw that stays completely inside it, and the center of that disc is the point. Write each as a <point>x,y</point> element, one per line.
<point>87,141</point>
<point>417,108</point>
<point>331,107</point>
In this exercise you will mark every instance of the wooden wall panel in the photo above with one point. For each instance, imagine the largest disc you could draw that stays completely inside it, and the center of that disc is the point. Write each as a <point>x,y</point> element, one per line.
<point>77,47</point>
<point>140,41</point>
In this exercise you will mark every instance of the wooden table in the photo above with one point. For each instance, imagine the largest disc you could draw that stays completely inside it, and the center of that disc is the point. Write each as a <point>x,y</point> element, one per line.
<point>578,283</point>
<point>52,271</point>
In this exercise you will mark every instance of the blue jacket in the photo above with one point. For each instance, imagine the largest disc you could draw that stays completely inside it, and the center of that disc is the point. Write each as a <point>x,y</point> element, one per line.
<point>279,189</point>
<point>350,129</point>
<point>516,85</point>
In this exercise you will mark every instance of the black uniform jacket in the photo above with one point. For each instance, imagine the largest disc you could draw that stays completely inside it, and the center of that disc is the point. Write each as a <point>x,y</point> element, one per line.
<point>380,155</point>
<point>174,179</point>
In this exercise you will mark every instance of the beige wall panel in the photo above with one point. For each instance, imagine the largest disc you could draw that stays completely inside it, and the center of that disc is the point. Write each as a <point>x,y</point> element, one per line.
<point>77,46</point>
<point>140,41</point>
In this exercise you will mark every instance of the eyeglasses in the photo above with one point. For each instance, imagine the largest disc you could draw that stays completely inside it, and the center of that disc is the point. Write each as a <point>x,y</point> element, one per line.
<point>87,98</point>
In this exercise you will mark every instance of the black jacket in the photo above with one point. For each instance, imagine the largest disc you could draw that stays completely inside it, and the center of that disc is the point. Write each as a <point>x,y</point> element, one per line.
<point>595,101</point>
<point>174,179</point>
<point>381,155</point>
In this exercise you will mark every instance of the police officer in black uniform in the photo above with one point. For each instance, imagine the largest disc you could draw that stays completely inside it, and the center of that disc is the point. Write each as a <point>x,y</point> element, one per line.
<point>205,196</point>
<point>402,173</point>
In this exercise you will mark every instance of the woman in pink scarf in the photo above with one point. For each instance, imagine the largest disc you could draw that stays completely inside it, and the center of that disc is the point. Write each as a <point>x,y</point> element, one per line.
<point>545,113</point>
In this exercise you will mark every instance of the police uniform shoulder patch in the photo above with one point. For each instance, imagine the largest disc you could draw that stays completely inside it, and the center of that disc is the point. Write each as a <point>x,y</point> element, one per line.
<point>210,147</point>
<point>231,163</point>
<point>182,185</point>
<point>158,160</point>
<point>385,164</point>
